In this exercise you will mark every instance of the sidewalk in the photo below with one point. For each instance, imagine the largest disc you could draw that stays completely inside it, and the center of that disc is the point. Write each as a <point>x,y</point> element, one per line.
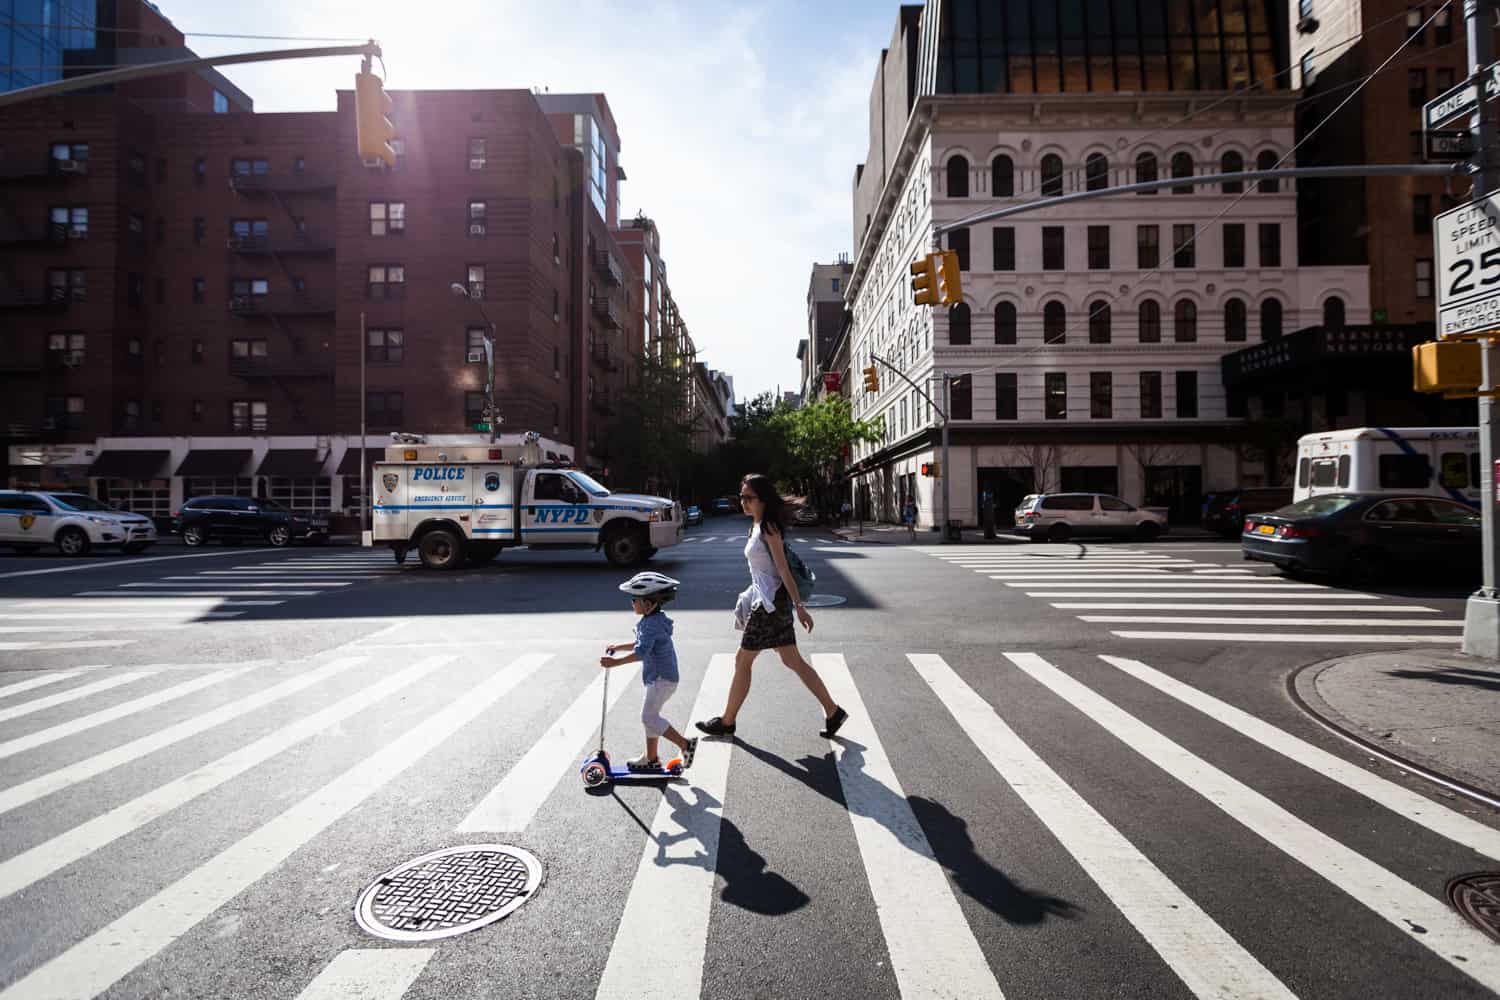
<point>895,534</point>
<point>1432,710</point>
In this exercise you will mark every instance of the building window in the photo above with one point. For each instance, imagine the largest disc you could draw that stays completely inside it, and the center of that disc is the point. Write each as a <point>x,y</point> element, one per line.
<point>71,222</point>
<point>1309,70</point>
<point>1095,172</point>
<point>1185,322</point>
<point>197,411</point>
<point>1442,27</point>
<point>961,397</point>
<point>249,168</point>
<point>474,345</point>
<point>1333,313</point>
<point>1005,395</point>
<point>1098,248</point>
<point>64,413</point>
<point>1148,321</point>
<point>386,281</point>
<point>1101,395</point>
<point>474,408</point>
<point>67,349</point>
<point>958,242</point>
<point>398,146</point>
<point>64,285</point>
<point>135,289</point>
<point>221,103</point>
<point>1187,395</point>
<point>1147,247</point>
<point>1270,244</point>
<point>196,354</point>
<point>1415,16</point>
<point>1052,175</point>
<point>476,154</point>
<point>249,288</point>
<point>240,350</point>
<point>299,165</point>
<point>1055,398</point>
<point>384,409</point>
<point>958,177</point>
<point>1421,214</point>
<point>1266,160</point>
<point>1270,320</point>
<point>477,213</point>
<point>1232,163</point>
<point>1004,238</point>
<point>1145,170</point>
<point>1236,320</point>
<point>245,230</point>
<point>78,152</point>
<point>1054,323</point>
<point>1005,323</point>
<point>1052,248</point>
<point>387,218</point>
<point>1304,8</point>
<point>1182,166</point>
<point>1416,88</point>
<point>647,300</point>
<point>1002,177</point>
<point>958,325</point>
<point>1424,277</point>
<point>475,282</point>
<point>246,415</point>
<point>1184,246</point>
<point>1150,395</point>
<point>1099,322</point>
<point>385,346</point>
<point>200,170</point>
<point>1234,244</point>
<point>200,229</point>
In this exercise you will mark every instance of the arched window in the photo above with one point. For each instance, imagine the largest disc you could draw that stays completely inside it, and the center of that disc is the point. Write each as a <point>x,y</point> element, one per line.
<point>1232,163</point>
<point>1096,172</point>
<point>1270,320</point>
<point>1099,331</point>
<point>958,324</point>
<point>1005,323</point>
<point>1054,323</point>
<point>1182,166</point>
<point>1002,177</point>
<point>1333,313</point>
<point>1185,322</point>
<point>958,177</point>
<point>1148,318</point>
<point>1266,160</point>
<point>1235,319</point>
<point>1052,183</point>
<point>1145,170</point>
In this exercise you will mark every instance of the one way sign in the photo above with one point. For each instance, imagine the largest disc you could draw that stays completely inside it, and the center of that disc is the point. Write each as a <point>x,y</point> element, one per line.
<point>1463,99</point>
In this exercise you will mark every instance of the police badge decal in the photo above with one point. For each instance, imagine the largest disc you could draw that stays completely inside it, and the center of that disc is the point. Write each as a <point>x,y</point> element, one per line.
<point>390,481</point>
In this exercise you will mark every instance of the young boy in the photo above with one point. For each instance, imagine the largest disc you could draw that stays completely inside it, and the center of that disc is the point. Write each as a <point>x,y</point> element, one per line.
<point>653,648</point>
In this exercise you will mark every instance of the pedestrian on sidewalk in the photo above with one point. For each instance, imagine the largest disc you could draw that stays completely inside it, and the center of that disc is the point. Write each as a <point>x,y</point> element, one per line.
<point>658,657</point>
<point>909,518</point>
<point>845,509</point>
<point>770,598</point>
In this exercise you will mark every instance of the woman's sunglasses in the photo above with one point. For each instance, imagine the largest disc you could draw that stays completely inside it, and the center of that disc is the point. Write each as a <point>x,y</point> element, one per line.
<point>748,496</point>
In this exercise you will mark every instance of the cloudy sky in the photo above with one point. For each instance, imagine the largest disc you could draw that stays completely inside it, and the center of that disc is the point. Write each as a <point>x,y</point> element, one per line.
<point>740,123</point>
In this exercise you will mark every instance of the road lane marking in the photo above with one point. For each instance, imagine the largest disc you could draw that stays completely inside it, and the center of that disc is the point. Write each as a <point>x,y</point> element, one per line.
<point>933,950</point>
<point>29,791</point>
<point>115,564</point>
<point>1202,954</point>
<point>672,892</point>
<point>102,959</point>
<point>35,864</point>
<point>35,682</point>
<point>1279,622</point>
<point>1419,917</point>
<point>368,974</point>
<point>72,694</point>
<point>1168,606</point>
<point>1403,802</point>
<point>1220,594</point>
<point>1343,639</point>
<point>515,799</point>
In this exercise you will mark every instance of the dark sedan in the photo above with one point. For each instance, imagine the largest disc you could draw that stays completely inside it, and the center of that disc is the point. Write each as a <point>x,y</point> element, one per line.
<point>1366,537</point>
<point>233,520</point>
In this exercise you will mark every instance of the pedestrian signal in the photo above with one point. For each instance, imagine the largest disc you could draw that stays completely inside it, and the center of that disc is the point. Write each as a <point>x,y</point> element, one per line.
<point>930,469</point>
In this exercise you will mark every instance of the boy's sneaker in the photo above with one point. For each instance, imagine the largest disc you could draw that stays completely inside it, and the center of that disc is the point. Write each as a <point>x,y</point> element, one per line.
<point>688,751</point>
<point>643,763</point>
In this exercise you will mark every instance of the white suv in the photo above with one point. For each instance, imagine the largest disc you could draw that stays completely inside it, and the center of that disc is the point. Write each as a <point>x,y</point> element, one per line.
<point>74,522</point>
<point>1056,517</point>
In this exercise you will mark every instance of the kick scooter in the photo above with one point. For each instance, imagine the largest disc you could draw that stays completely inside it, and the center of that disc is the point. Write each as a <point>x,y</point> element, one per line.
<point>596,769</point>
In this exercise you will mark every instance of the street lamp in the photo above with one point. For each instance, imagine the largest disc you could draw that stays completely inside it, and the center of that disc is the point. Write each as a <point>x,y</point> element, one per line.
<point>491,414</point>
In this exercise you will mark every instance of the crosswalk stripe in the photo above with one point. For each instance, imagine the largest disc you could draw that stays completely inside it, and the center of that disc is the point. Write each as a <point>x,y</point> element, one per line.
<point>1418,809</point>
<point>933,950</point>
<point>1279,622</point>
<point>72,694</point>
<point>670,902</point>
<point>116,616</point>
<point>50,627</point>
<point>244,582</point>
<point>46,784</point>
<point>202,593</point>
<point>120,711</point>
<point>102,959</point>
<point>1355,637</point>
<point>511,804</point>
<point>68,644</point>
<point>36,863</point>
<point>1199,585</point>
<point>368,974</point>
<point>1418,916</point>
<point>1219,593</point>
<point>1207,959</point>
<point>1035,578</point>
<point>35,682</point>
<point>1170,606</point>
<point>140,602</point>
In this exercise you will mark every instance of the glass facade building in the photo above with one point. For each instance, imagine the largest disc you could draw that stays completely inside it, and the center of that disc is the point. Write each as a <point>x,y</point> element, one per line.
<point>1083,46</point>
<point>36,35</point>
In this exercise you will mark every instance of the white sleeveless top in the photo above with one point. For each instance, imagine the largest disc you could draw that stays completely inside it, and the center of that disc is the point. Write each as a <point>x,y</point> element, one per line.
<point>764,580</point>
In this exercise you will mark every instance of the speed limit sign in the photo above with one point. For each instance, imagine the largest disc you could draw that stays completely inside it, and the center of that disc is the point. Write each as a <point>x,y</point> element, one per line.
<point>1467,245</point>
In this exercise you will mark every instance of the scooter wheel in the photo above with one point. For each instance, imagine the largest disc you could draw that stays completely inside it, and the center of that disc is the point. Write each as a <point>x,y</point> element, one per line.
<point>594,775</point>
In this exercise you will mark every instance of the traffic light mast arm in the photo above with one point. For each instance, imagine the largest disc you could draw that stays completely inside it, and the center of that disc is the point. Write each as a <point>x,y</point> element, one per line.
<point>899,374</point>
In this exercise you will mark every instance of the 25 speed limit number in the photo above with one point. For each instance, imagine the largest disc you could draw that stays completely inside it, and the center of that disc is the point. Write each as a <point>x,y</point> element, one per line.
<point>1467,244</point>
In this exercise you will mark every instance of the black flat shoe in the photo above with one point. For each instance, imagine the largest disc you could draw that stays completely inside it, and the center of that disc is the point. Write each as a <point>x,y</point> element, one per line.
<point>715,727</point>
<point>833,722</point>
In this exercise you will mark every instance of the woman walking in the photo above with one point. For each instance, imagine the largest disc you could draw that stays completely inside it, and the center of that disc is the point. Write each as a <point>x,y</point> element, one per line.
<point>772,596</point>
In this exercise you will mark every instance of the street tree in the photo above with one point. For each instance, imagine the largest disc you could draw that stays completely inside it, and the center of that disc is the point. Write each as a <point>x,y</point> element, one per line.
<point>651,444</point>
<point>818,439</point>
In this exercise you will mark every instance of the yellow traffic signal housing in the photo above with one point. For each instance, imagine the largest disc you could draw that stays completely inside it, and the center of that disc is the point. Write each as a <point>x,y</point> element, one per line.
<point>872,379</point>
<point>924,281</point>
<point>372,111</point>
<point>1449,366</point>
<point>950,286</point>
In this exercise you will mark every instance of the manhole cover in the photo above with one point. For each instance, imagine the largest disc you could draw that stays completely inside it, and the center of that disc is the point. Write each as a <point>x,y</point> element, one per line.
<point>824,600</point>
<point>1477,898</point>
<point>448,892</point>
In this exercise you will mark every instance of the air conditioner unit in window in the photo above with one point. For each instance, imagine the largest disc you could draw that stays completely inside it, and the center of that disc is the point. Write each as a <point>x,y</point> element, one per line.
<point>1307,25</point>
<point>72,166</point>
<point>476,229</point>
<point>476,163</point>
<point>72,359</point>
<point>476,356</point>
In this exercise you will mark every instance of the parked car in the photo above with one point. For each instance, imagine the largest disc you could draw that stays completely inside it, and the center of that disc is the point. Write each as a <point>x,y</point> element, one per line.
<point>233,520</point>
<point>805,516</point>
<point>693,515</point>
<point>1226,512</point>
<point>74,522</point>
<point>1366,537</point>
<point>724,505</point>
<point>1056,517</point>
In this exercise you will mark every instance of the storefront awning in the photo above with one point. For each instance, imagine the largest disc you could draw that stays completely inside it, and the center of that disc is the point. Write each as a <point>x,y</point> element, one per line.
<point>349,465</point>
<point>142,464</point>
<point>216,463</point>
<point>291,463</point>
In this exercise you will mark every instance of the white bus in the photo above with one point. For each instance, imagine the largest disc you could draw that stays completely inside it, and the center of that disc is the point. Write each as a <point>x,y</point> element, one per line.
<point>1439,461</point>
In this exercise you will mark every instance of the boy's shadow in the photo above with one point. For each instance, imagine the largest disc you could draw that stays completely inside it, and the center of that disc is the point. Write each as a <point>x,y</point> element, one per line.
<point>946,833</point>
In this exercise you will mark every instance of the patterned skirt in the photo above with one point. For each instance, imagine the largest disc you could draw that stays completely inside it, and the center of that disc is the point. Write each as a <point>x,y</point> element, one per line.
<point>771,629</point>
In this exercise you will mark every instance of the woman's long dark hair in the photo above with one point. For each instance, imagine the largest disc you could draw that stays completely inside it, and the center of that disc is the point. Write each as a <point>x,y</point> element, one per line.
<point>773,515</point>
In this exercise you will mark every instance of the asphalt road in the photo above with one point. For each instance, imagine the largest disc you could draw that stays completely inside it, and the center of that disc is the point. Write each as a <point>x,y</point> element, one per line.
<point>206,756</point>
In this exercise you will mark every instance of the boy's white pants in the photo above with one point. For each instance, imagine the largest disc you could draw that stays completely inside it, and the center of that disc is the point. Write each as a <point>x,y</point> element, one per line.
<point>658,692</point>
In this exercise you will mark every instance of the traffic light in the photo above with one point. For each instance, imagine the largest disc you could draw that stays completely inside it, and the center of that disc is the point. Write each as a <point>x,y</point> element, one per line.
<point>924,281</point>
<point>950,287</point>
<point>872,379</point>
<point>372,110</point>
<point>1447,366</point>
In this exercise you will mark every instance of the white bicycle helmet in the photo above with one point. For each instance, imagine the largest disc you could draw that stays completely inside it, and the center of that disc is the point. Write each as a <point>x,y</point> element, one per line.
<point>653,586</point>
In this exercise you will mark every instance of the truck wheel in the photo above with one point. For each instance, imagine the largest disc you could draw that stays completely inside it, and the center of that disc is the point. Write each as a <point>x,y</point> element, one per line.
<point>73,542</point>
<point>441,549</point>
<point>626,547</point>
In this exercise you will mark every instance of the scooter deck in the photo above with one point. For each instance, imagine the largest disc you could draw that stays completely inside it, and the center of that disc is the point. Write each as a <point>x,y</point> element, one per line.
<point>597,771</point>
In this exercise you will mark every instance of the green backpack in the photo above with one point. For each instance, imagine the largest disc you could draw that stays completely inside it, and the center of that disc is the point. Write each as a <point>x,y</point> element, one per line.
<point>807,581</point>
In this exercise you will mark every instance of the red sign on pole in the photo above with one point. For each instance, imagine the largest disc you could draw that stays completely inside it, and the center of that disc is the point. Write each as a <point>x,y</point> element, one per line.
<point>832,381</point>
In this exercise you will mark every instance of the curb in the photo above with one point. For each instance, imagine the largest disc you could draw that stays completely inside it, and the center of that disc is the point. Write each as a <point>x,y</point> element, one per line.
<point>1300,688</point>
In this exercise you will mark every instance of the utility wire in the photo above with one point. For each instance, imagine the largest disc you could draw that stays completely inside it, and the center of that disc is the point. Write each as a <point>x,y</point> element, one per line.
<point>8,22</point>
